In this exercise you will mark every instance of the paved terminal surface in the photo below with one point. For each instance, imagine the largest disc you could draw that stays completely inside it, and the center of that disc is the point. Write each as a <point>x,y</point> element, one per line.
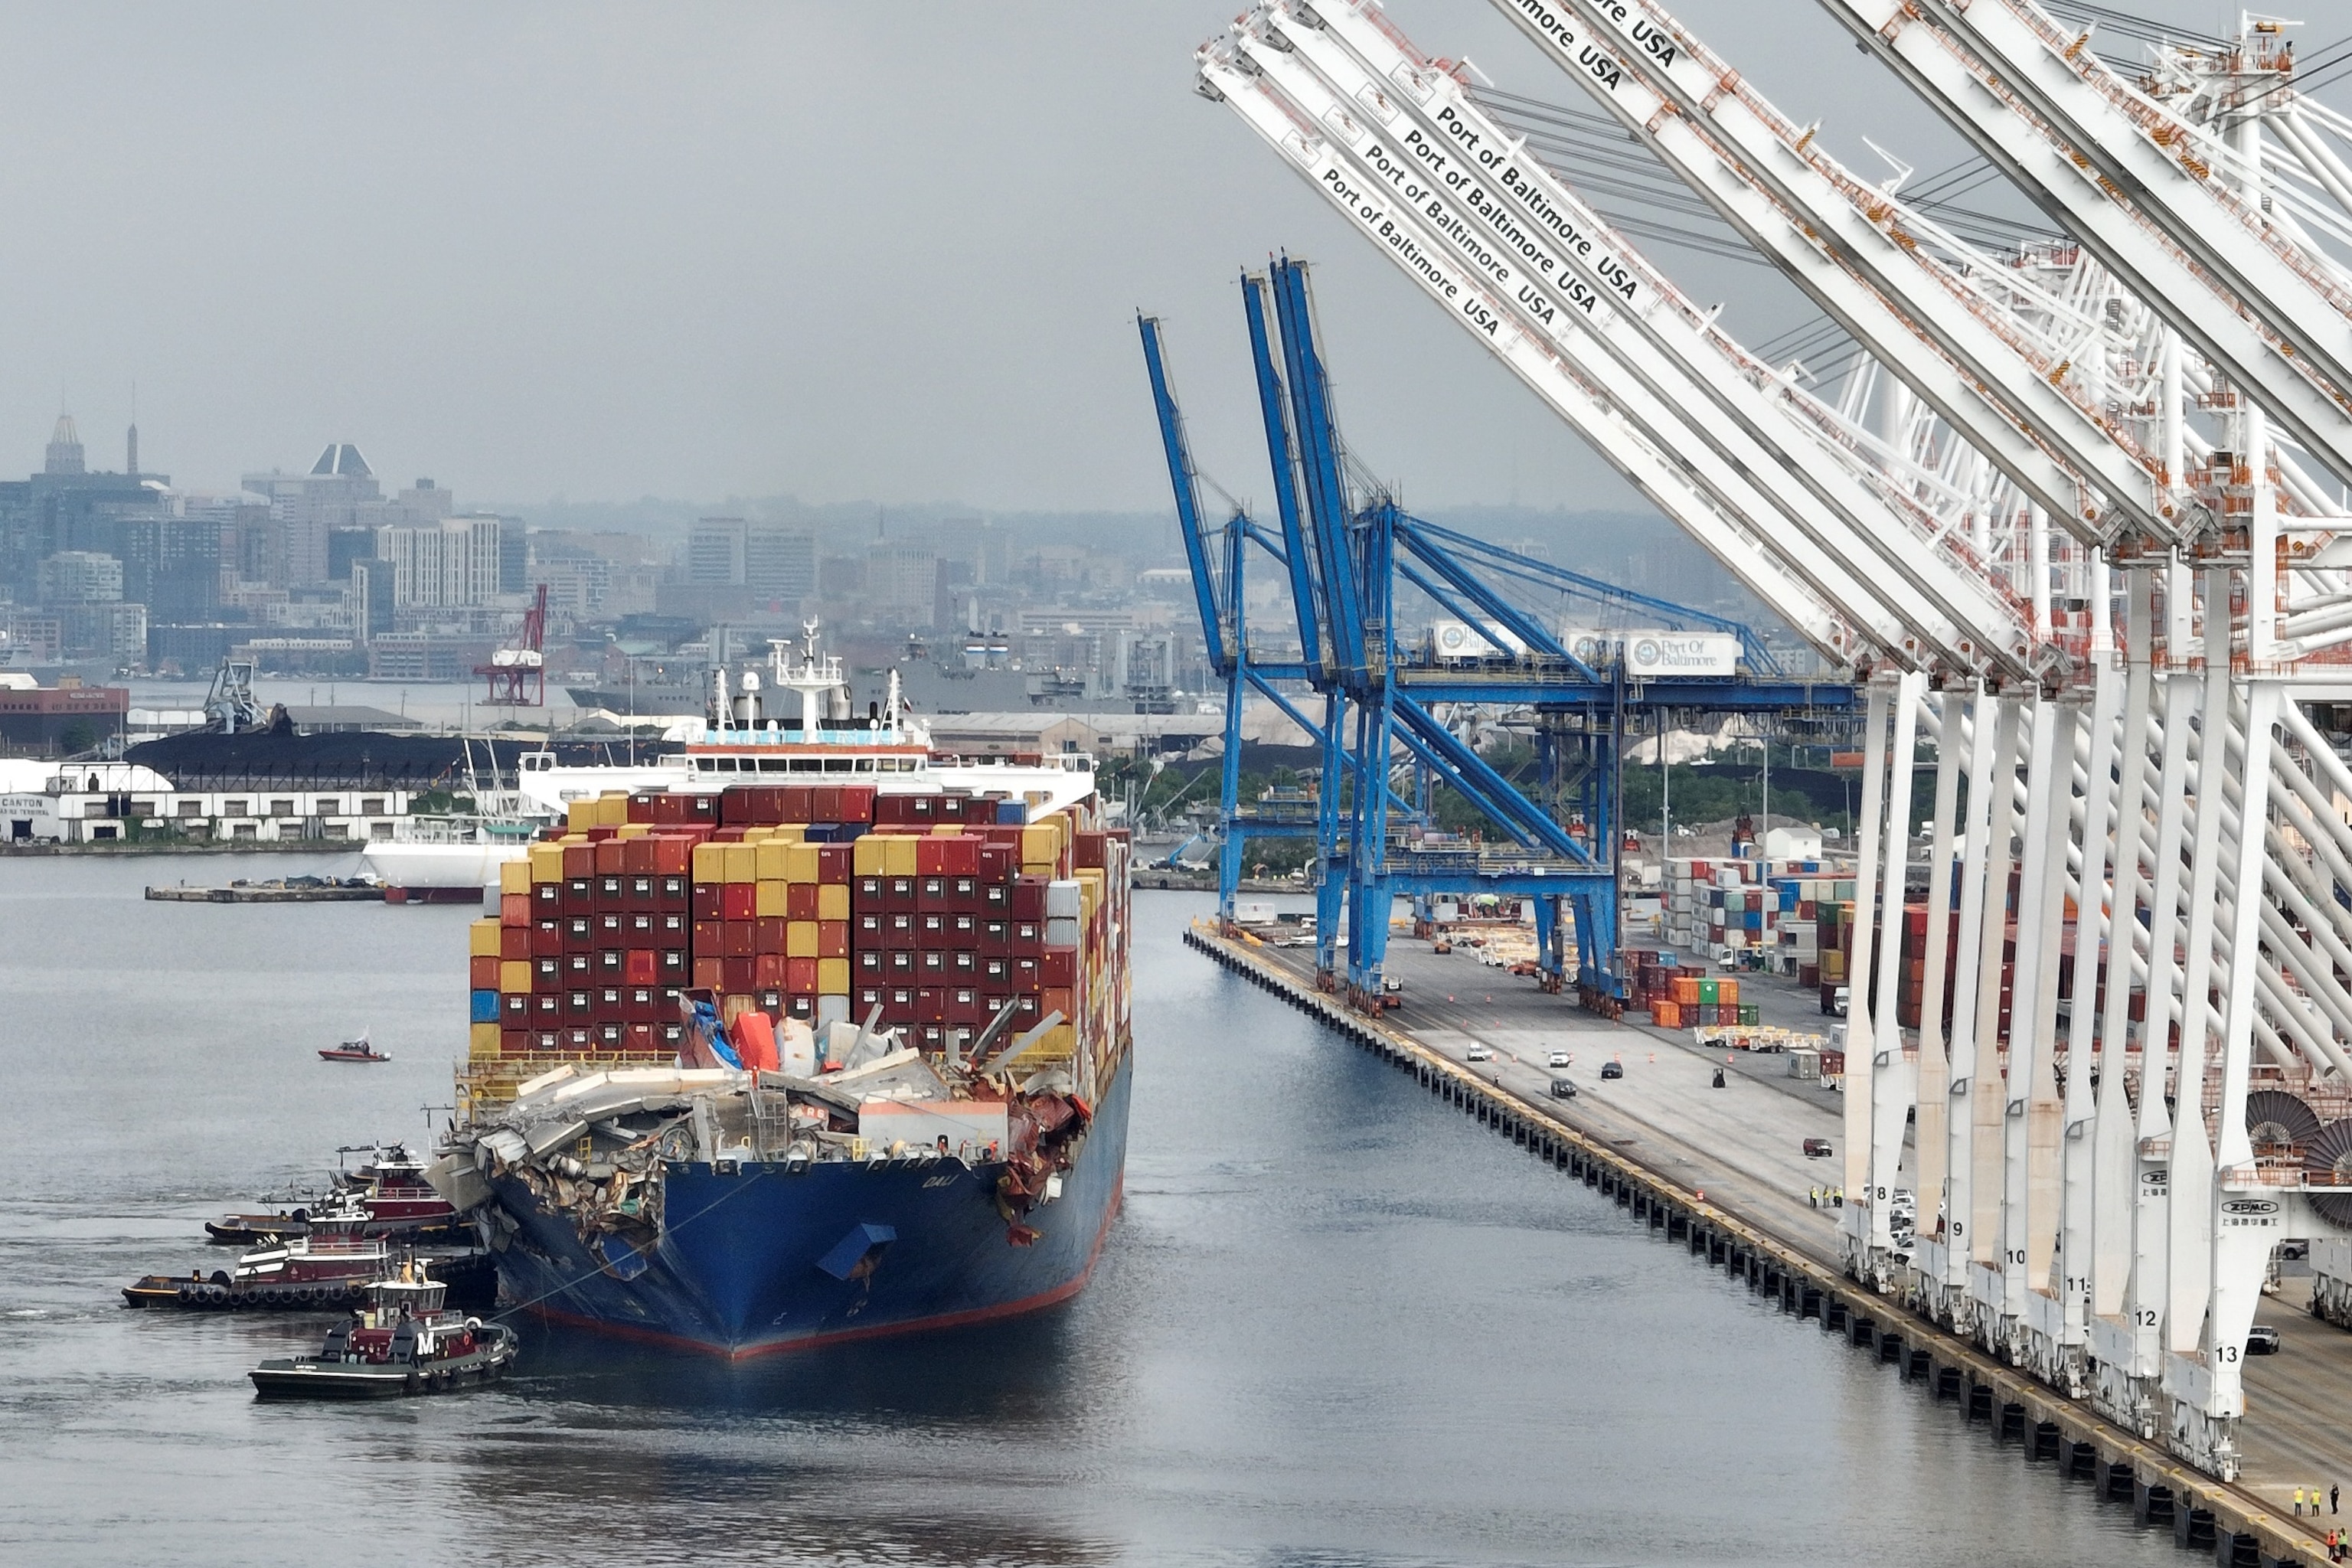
<point>1742,1145</point>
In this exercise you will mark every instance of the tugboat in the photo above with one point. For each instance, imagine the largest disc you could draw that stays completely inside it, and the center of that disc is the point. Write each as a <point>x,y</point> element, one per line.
<point>329,1268</point>
<point>390,1186</point>
<point>357,1050</point>
<point>404,1342</point>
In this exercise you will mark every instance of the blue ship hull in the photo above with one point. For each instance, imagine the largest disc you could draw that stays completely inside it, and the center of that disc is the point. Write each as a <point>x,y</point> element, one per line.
<point>756,1259</point>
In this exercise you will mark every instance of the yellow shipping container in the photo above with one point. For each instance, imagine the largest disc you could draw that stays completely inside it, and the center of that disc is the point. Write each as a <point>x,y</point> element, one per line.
<point>514,976</point>
<point>546,864</point>
<point>482,1042</point>
<point>637,829</point>
<point>710,862</point>
<point>482,939</point>
<point>800,866</point>
<point>756,836</point>
<point>580,814</point>
<point>788,833</point>
<point>768,899</point>
<point>1041,842</point>
<point>832,976</point>
<point>800,939</point>
<point>833,901</point>
<point>741,862</point>
<point>902,855</point>
<point>867,858</point>
<point>773,861</point>
<point>514,875</point>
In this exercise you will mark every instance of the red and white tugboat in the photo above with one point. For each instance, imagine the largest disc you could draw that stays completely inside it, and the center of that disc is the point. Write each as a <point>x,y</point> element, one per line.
<point>404,1341</point>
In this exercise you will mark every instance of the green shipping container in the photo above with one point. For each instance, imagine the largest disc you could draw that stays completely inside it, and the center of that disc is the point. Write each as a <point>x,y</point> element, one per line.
<point>1707,994</point>
<point>1750,1015</point>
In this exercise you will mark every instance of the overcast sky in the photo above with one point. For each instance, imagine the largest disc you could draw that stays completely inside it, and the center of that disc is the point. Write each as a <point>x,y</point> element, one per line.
<point>889,250</point>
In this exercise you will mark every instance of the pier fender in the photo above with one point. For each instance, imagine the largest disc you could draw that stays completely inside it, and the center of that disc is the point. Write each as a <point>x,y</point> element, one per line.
<point>859,1251</point>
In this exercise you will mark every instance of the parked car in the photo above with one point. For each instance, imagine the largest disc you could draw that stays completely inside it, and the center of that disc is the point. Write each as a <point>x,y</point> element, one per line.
<point>2261,1339</point>
<point>1840,1001</point>
<point>1481,1054</point>
<point>1391,984</point>
<point>1562,1089</point>
<point>1612,1070</point>
<point>1557,1059</point>
<point>1818,1149</point>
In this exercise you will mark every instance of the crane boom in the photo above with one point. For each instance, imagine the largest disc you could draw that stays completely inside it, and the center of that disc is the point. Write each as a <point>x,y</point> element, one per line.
<point>1852,249</point>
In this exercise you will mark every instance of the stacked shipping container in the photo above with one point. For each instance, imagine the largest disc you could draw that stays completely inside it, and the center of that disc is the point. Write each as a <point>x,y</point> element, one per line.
<point>819,903</point>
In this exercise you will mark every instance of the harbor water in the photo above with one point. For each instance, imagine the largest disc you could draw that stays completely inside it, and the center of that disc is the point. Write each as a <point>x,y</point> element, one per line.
<point>1337,1323</point>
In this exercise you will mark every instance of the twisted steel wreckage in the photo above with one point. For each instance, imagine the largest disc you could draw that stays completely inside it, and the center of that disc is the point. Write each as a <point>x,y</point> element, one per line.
<point>2071,520</point>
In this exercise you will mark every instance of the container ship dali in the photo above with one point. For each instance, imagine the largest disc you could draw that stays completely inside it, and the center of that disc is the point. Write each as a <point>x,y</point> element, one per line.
<point>802,1034</point>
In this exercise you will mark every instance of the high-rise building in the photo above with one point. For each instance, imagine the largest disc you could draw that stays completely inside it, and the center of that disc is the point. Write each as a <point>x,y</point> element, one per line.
<point>714,553</point>
<point>333,495</point>
<point>452,563</point>
<point>64,449</point>
<point>81,577</point>
<point>780,561</point>
<point>902,581</point>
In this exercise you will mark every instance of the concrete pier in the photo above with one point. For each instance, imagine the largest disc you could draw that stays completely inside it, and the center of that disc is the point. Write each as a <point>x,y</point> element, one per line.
<point>1721,1174</point>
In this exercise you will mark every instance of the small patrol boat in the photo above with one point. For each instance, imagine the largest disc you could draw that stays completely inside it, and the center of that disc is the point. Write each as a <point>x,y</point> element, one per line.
<point>404,1341</point>
<point>358,1050</point>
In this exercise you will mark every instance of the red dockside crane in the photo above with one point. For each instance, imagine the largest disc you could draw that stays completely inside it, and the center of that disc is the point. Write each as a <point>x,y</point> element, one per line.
<point>518,676</point>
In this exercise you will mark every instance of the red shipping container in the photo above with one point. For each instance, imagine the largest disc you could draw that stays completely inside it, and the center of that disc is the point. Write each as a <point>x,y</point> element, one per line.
<point>672,928</point>
<point>737,973</point>
<point>547,973</point>
<point>899,892</point>
<point>900,961</point>
<point>514,1042</point>
<point>768,935</point>
<point>578,934</point>
<point>578,1004</point>
<point>1029,899</point>
<point>640,967</point>
<point>960,855</point>
<point>516,941</point>
<point>739,901</point>
<point>801,977</point>
<point>964,963</point>
<point>824,804</point>
<point>995,968</point>
<point>612,858</point>
<point>771,1000</point>
<point>1086,850</point>
<point>833,863</point>
<point>856,804</point>
<point>767,969</point>
<point>963,1006</point>
<point>644,1040</point>
<point>547,897</point>
<point>610,1035</point>
<point>867,892</point>
<point>710,902</point>
<point>612,963</point>
<point>902,924</point>
<point>1058,966</point>
<point>1026,936</point>
<point>869,928</point>
<point>673,855</point>
<point>950,807</point>
<point>931,963</point>
<point>833,939</point>
<point>737,939</point>
<point>999,863</point>
<point>710,938</point>
<point>514,1009</point>
<point>930,857</point>
<point>996,898</point>
<point>514,909</point>
<point>801,1007</point>
<point>800,901</point>
<point>546,1007</point>
<point>932,1004</point>
<point>675,965</point>
<point>963,929</point>
<point>579,967</point>
<point>1060,999</point>
<point>580,895</point>
<point>995,936</point>
<point>931,928</point>
<point>579,861</point>
<point>870,963</point>
<point>1026,971</point>
<point>930,892</point>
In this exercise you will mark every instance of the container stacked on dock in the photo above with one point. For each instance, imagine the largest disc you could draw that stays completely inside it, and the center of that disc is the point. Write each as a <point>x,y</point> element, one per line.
<point>928,912</point>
